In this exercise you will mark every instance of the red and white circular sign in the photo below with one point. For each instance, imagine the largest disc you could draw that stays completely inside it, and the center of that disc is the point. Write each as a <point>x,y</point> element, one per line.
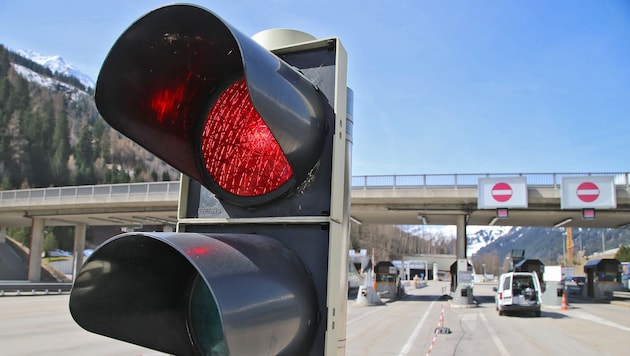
<point>501,192</point>
<point>587,192</point>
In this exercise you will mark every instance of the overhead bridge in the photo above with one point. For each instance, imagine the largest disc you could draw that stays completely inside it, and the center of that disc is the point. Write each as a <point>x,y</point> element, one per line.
<point>438,199</point>
<point>434,199</point>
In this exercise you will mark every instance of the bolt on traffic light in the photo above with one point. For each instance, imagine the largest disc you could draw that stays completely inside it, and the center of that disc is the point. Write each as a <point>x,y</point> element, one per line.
<point>257,263</point>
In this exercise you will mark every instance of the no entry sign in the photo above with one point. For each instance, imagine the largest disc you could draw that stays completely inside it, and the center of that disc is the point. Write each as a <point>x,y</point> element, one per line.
<point>507,192</point>
<point>501,192</point>
<point>588,192</point>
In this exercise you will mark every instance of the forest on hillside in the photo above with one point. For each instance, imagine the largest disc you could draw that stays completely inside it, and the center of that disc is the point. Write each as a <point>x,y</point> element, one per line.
<point>53,137</point>
<point>390,243</point>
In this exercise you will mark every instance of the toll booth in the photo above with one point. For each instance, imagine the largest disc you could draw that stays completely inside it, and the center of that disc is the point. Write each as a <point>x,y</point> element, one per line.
<point>459,278</point>
<point>603,276</point>
<point>531,265</point>
<point>461,283</point>
<point>553,287</point>
<point>516,256</point>
<point>387,280</point>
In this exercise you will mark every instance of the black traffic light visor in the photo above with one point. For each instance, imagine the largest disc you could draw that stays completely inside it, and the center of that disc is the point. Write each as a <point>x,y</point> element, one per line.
<point>168,68</point>
<point>189,293</point>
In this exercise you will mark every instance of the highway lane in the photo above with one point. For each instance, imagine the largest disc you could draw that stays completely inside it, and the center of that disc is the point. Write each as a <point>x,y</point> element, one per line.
<point>37,325</point>
<point>42,325</point>
<point>408,327</point>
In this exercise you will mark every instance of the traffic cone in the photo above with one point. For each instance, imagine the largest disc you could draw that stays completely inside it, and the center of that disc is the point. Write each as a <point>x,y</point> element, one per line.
<point>564,302</point>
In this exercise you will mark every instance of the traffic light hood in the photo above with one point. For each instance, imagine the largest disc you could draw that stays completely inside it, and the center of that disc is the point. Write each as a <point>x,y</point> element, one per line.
<point>168,84</point>
<point>191,293</point>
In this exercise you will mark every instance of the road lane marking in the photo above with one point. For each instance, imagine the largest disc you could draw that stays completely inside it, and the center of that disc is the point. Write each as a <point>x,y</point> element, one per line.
<point>407,347</point>
<point>596,319</point>
<point>493,335</point>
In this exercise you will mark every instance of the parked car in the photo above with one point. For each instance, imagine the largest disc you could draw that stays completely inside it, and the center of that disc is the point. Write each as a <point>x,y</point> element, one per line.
<point>573,284</point>
<point>518,291</point>
<point>574,281</point>
<point>58,253</point>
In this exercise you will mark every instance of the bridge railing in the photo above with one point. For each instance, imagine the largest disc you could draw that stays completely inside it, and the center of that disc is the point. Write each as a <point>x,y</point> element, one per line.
<point>90,191</point>
<point>403,181</point>
<point>552,180</point>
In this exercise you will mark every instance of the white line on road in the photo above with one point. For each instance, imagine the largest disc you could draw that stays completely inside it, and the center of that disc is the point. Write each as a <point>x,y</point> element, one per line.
<point>591,317</point>
<point>494,336</point>
<point>415,332</point>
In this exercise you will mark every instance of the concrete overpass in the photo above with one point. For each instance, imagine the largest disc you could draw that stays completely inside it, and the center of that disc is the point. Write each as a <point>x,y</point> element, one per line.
<point>133,204</point>
<point>130,205</point>
<point>440,199</point>
<point>388,199</point>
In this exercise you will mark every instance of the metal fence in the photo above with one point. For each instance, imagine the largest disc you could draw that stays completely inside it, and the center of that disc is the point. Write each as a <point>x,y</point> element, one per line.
<point>471,180</point>
<point>90,191</point>
<point>358,182</point>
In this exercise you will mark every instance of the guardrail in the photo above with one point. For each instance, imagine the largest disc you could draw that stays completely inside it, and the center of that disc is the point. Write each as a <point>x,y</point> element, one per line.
<point>621,295</point>
<point>467,180</point>
<point>90,191</point>
<point>33,288</point>
<point>553,180</point>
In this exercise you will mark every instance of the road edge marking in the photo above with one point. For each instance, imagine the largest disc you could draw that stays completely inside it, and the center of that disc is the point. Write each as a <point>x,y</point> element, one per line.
<point>493,335</point>
<point>407,347</point>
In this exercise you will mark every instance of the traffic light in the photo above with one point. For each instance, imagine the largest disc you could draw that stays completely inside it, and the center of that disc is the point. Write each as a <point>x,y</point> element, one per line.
<point>262,137</point>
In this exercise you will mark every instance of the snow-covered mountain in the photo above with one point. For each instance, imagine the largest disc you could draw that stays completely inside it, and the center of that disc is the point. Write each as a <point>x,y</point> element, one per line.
<point>478,236</point>
<point>481,236</point>
<point>57,65</point>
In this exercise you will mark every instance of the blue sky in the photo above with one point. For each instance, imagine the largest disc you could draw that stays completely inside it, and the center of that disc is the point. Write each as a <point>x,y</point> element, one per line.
<point>504,86</point>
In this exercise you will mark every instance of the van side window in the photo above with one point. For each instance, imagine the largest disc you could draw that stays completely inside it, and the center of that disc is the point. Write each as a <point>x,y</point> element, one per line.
<point>508,283</point>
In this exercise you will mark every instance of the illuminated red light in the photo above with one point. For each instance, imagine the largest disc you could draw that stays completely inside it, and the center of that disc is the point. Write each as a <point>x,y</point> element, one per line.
<point>199,250</point>
<point>166,102</point>
<point>240,152</point>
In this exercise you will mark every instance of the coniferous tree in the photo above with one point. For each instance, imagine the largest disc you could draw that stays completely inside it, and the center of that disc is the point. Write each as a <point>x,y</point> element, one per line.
<point>39,136</point>
<point>97,132</point>
<point>4,61</point>
<point>84,157</point>
<point>61,151</point>
<point>104,144</point>
<point>17,162</point>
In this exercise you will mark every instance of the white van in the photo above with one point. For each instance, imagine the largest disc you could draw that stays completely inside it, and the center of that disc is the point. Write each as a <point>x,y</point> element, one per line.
<point>518,291</point>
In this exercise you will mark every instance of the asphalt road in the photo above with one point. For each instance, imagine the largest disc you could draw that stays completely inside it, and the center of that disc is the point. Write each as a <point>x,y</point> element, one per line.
<point>408,327</point>
<point>42,325</point>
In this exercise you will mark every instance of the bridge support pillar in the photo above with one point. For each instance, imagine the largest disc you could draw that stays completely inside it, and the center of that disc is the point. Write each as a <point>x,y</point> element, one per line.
<point>463,295</point>
<point>460,247</point>
<point>37,247</point>
<point>79,246</point>
<point>3,235</point>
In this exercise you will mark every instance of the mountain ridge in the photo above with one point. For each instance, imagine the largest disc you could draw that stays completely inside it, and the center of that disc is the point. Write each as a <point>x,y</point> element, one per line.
<point>53,134</point>
<point>544,243</point>
<point>57,64</point>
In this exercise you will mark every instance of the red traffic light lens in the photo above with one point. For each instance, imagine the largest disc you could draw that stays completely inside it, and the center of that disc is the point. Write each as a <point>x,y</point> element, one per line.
<point>239,151</point>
